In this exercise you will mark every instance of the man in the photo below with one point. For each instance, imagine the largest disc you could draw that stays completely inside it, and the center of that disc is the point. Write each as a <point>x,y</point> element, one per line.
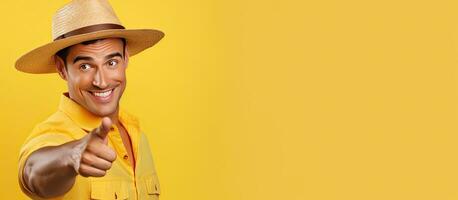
<point>89,148</point>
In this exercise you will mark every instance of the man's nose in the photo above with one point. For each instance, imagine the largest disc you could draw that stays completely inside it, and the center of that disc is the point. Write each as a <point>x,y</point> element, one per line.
<point>100,79</point>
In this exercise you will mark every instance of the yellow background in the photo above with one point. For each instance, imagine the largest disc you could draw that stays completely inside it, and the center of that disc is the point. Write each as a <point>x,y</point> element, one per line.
<point>270,99</point>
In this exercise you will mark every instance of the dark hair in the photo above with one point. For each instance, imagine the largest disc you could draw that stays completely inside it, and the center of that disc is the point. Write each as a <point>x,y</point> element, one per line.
<point>63,53</point>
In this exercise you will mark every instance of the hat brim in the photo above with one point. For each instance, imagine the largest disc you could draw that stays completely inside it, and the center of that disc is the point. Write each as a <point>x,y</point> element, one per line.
<point>41,59</point>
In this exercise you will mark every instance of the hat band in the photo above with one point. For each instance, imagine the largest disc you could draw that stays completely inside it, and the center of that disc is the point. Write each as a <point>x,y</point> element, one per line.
<point>90,29</point>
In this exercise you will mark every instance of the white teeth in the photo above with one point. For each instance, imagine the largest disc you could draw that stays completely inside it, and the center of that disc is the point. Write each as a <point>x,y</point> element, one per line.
<point>102,94</point>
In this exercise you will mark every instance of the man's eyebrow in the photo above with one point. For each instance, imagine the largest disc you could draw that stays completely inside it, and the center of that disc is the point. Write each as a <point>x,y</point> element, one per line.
<point>77,58</point>
<point>113,55</point>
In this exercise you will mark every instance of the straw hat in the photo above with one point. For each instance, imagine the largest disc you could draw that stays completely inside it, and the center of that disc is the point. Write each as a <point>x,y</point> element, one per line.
<point>84,20</point>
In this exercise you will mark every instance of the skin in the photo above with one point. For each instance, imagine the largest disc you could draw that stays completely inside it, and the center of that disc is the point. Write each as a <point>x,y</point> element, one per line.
<point>91,69</point>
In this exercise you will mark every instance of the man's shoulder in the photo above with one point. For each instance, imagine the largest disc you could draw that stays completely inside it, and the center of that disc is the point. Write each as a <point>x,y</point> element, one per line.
<point>54,130</point>
<point>56,123</point>
<point>57,120</point>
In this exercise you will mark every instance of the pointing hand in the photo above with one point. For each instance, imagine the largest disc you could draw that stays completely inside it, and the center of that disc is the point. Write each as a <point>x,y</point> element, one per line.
<point>93,157</point>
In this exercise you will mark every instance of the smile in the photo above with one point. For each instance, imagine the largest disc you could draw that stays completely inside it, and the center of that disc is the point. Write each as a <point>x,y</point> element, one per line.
<point>102,96</point>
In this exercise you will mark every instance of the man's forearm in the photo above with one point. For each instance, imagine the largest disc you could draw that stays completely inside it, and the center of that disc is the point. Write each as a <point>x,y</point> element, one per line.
<point>50,171</point>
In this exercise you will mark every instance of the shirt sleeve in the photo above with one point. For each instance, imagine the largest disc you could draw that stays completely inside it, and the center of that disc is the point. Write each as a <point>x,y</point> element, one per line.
<point>34,142</point>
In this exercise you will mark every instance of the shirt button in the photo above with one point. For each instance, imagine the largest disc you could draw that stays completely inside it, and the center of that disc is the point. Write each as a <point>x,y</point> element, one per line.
<point>125,157</point>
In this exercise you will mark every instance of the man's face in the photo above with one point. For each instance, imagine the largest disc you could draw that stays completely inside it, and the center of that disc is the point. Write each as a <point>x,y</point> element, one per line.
<point>96,75</point>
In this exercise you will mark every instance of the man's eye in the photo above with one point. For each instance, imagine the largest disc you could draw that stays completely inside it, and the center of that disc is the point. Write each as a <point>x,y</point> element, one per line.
<point>85,67</point>
<point>112,63</point>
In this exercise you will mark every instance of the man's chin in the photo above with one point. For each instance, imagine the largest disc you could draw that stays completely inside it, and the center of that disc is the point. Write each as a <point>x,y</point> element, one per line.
<point>103,111</point>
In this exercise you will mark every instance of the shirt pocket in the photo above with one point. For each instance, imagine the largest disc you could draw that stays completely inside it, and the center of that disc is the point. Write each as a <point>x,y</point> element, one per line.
<point>152,186</point>
<point>103,190</point>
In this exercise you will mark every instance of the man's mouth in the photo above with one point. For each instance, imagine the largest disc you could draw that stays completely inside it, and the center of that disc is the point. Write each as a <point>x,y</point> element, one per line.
<point>102,96</point>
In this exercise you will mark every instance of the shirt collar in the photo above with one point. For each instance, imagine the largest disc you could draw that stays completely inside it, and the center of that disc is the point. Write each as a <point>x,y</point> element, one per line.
<point>88,121</point>
<point>78,114</point>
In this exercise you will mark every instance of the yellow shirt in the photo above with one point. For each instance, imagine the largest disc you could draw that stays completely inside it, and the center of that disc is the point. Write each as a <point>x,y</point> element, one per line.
<point>72,122</point>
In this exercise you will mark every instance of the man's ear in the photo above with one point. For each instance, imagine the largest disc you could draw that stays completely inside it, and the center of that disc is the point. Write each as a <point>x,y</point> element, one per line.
<point>60,67</point>
<point>126,56</point>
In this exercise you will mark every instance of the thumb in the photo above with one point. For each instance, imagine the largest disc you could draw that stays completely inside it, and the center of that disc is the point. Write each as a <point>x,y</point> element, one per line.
<point>104,128</point>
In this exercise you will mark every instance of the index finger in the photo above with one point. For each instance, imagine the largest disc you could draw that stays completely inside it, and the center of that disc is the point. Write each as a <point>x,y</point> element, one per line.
<point>104,128</point>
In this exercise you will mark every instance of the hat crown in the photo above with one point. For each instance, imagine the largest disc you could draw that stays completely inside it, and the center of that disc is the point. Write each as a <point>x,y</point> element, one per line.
<point>82,13</point>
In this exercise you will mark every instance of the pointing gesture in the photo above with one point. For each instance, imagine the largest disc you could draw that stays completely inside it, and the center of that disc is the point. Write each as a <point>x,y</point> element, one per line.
<point>93,156</point>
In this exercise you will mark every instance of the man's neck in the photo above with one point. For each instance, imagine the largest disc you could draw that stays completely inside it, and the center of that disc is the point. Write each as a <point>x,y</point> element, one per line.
<point>115,117</point>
